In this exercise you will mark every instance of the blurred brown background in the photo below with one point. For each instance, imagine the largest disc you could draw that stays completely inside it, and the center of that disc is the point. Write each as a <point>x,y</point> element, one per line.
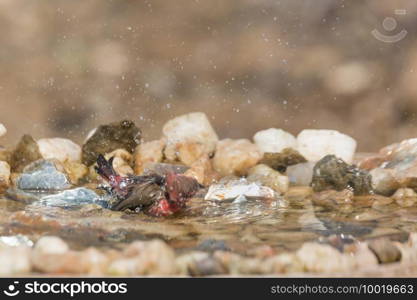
<point>67,66</point>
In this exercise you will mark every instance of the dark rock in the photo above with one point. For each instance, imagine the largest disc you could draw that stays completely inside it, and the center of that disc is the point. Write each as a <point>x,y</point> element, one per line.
<point>385,251</point>
<point>42,175</point>
<point>26,152</point>
<point>280,161</point>
<point>333,173</point>
<point>107,138</point>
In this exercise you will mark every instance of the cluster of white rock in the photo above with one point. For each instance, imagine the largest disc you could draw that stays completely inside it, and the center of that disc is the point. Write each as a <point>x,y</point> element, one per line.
<point>313,144</point>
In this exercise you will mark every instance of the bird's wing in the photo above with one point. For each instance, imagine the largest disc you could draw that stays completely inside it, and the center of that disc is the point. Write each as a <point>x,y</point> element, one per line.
<point>142,195</point>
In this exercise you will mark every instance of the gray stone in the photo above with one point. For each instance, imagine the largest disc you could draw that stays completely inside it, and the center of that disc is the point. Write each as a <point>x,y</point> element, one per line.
<point>42,175</point>
<point>74,197</point>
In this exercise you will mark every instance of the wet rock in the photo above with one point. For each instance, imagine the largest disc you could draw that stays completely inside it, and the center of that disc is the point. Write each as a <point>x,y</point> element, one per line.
<point>238,190</point>
<point>3,130</point>
<point>333,173</point>
<point>74,197</point>
<point>274,140</point>
<point>4,176</point>
<point>188,137</point>
<point>280,161</point>
<point>145,258</point>
<point>235,157</point>
<point>26,152</point>
<point>59,149</point>
<point>269,177</point>
<point>15,261</point>
<point>385,250</point>
<point>315,144</point>
<point>405,197</point>
<point>121,161</point>
<point>384,181</point>
<point>301,174</point>
<point>319,258</point>
<point>149,152</point>
<point>76,171</point>
<point>333,199</point>
<point>202,170</point>
<point>107,138</point>
<point>42,175</point>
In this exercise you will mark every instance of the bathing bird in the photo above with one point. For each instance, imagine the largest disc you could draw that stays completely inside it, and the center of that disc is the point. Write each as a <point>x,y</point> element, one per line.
<point>155,194</point>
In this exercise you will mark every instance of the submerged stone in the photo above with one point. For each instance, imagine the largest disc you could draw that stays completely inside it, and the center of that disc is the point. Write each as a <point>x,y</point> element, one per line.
<point>74,197</point>
<point>333,173</point>
<point>280,161</point>
<point>42,175</point>
<point>107,138</point>
<point>26,152</point>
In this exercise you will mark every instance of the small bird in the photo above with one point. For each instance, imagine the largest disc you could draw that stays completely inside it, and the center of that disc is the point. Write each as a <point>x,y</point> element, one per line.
<point>156,195</point>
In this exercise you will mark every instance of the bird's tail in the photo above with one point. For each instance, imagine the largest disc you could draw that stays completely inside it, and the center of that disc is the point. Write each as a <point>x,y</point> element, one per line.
<point>105,168</point>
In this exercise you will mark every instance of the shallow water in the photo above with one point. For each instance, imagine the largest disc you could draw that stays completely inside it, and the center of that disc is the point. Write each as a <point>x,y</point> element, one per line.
<point>209,226</point>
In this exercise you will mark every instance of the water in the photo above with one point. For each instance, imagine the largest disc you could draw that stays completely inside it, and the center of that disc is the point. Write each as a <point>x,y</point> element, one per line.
<point>242,227</point>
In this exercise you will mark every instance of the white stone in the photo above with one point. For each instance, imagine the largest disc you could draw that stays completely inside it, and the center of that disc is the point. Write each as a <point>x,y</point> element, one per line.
<point>320,258</point>
<point>193,128</point>
<point>314,144</point>
<point>274,140</point>
<point>3,130</point>
<point>50,245</point>
<point>60,149</point>
<point>15,261</point>
<point>301,174</point>
<point>238,189</point>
